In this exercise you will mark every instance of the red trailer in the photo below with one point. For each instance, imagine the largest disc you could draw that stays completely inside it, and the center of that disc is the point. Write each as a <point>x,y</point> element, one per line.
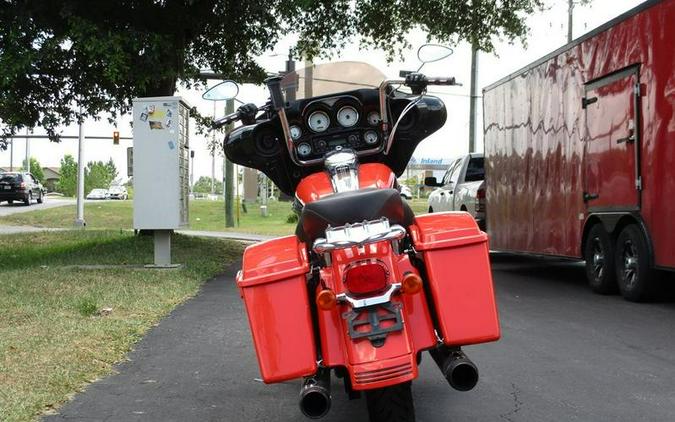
<point>580,153</point>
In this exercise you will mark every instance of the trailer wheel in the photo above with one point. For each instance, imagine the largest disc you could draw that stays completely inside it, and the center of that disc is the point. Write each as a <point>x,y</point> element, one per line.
<point>634,274</point>
<point>599,257</point>
<point>391,404</point>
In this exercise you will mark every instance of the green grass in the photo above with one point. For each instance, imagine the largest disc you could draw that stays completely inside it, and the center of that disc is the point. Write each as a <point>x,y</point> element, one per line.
<point>53,337</point>
<point>204,215</point>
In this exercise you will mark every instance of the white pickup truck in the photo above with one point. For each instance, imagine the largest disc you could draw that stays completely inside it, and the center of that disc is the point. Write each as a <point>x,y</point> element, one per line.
<point>461,189</point>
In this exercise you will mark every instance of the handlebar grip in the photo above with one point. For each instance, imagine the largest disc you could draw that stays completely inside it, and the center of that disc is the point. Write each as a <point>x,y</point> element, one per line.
<point>441,81</point>
<point>225,120</point>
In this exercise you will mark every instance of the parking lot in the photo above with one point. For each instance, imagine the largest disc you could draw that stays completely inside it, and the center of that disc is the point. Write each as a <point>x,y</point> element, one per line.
<point>565,355</point>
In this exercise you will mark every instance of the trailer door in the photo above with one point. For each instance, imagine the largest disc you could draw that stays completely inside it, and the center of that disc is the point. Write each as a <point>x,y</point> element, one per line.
<point>611,164</point>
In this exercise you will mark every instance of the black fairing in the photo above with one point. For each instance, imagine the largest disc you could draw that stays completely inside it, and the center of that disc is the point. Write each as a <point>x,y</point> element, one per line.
<point>261,145</point>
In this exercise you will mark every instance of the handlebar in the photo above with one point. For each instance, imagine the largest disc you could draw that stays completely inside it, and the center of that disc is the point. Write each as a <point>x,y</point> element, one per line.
<point>226,120</point>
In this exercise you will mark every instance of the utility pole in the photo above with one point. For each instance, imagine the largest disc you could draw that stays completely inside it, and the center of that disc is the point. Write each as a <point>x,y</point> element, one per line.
<point>11,155</point>
<point>27,165</point>
<point>473,105</point>
<point>309,78</point>
<point>570,19</point>
<point>213,154</point>
<point>79,221</point>
<point>229,175</point>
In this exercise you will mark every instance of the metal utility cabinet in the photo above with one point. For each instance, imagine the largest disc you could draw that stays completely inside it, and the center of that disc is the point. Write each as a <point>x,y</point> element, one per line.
<point>161,171</point>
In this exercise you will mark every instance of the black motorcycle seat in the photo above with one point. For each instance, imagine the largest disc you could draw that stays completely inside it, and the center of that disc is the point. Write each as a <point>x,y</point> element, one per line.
<point>352,207</point>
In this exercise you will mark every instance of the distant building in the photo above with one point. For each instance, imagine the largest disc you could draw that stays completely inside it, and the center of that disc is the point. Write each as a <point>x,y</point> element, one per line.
<point>52,176</point>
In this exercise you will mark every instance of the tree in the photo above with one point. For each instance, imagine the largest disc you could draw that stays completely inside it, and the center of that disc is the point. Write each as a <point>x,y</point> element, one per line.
<point>35,169</point>
<point>60,57</point>
<point>203,185</point>
<point>99,175</point>
<point>68,176</point>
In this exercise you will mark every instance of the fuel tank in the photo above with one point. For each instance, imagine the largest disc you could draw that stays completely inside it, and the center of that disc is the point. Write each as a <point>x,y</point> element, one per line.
<point>318,185</point>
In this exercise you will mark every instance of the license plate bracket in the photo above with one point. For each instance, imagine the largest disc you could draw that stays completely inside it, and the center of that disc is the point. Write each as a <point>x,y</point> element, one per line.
<point>377,333</point>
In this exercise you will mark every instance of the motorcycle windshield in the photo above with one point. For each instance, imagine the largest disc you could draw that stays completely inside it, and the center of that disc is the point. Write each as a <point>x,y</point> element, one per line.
<point>330,78</point>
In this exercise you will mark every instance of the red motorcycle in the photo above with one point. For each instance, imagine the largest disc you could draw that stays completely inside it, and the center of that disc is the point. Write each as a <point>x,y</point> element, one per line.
<point>364,286</point>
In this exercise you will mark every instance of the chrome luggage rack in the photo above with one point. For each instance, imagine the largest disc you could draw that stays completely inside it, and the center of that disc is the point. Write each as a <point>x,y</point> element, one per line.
<point>358,234</point>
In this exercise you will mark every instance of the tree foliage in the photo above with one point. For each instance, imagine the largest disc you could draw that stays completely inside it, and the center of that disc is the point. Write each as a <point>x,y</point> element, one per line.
<point>203,185</point>
<point>99,175</point>
<point>68,176</point>
<point>35,169</point>
<point>62,61</point>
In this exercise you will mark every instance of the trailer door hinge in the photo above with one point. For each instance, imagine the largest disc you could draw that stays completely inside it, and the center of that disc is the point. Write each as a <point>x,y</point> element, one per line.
<point>636,89</point>
<point>585,102</point>
<point>638,183</point>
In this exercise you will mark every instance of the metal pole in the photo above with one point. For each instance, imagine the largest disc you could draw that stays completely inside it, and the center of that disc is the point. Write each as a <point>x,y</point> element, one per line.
<point>11,155</point>
<point>79,220</point>
<point>570,19</point>
<point>27,165</point>
<point>213,155</point>
<point>309,78</point>
<point>473,105</point>
<point>229,176</point>
<point>192,170</point>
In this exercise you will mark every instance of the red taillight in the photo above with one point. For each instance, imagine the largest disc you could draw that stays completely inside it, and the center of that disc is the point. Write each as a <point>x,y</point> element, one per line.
<point>22,185</point>
<point>480,194</point>
<point>365,278</point>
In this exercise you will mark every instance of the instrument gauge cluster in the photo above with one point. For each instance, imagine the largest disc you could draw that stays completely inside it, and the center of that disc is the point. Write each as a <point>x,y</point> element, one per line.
<point>328,124</point>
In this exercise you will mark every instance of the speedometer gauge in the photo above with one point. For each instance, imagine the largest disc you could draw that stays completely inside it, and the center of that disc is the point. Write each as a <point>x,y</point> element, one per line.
<point>318,121</point>
<point>370,137</point>
<point>296,132</point>
<point>304,149</point>
<point>373,118</point>
<point>347,116</point>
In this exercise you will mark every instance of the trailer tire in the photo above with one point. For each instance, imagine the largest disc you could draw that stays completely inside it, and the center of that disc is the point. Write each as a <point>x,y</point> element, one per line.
<point>635,276</point>
<point>599,256</point>
<point>391,404</point>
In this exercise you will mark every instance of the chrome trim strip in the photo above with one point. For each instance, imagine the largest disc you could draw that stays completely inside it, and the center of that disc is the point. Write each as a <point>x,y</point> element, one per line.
<point>370,301</point>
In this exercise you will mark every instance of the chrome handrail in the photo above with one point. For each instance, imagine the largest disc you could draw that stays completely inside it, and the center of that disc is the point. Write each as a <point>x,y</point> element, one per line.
<point>395,232</point>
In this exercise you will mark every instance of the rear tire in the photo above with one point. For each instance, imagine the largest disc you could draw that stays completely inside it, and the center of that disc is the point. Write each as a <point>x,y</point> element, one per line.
<point>599,256</point>
<point>28,199</point>
<point>636,278</point>
<point>10,202</point>
<point>40,198</point>
<point>391,404</point>
<point>430,210</point>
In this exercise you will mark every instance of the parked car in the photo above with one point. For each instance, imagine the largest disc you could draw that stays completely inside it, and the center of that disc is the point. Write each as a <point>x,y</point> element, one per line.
<point>118,192</point>
<point>20,186</point>
<point>98,194</point>
<point>406,192</point>
<point>461,189</point>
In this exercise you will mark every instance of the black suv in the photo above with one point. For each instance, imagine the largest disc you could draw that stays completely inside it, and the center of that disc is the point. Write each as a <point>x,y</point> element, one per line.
<point>20,186</point>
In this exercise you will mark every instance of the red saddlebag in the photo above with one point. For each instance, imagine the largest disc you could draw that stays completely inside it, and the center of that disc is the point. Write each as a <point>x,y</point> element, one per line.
<point>457,261</point>
<point>272,284</point>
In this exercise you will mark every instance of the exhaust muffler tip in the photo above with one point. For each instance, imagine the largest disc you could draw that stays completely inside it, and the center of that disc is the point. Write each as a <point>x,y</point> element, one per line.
<point>315,397</point>
<point>460,372</point>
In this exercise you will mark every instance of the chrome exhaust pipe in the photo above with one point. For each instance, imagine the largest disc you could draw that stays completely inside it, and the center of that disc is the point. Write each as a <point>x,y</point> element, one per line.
<point>459,370</point>
<point>315,394</point>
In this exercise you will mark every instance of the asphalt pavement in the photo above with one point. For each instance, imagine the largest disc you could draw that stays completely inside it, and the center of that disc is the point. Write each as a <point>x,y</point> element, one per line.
<point>565,355</point>
<point>18,207</point>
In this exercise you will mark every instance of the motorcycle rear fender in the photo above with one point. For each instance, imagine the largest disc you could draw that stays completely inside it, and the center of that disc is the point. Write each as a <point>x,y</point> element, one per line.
<point>396,360</point>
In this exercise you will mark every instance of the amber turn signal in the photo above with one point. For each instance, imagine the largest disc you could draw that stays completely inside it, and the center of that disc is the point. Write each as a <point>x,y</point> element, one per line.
<point>411,284</point>
<point>326,300</point>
